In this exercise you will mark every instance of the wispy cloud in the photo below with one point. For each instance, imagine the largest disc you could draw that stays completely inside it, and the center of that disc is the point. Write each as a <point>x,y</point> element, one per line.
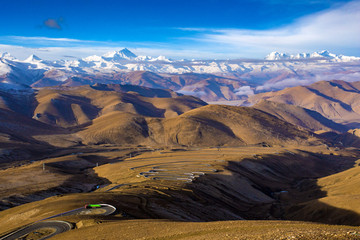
<point>335,29</point>
<point>43,39</point>
<point>40,41</point>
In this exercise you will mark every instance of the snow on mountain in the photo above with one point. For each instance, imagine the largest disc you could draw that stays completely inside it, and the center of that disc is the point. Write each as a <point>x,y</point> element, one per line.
<point>119,55</point>
<point>93,58</point>
<point>4,67</point>
<point>277,56</point>
<point>33,58</point>
<point>261,75</point>
<point>160,58</point>
<point>326,55</point>
<point>143,58</point>
<point>6,55</point>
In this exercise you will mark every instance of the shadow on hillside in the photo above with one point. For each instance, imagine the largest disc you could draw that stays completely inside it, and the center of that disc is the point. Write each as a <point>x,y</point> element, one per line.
<point>346,139</point>
<point>82,178</point>
<point>267,187</point>
<point>291,182</point>
<point>264,188</point>
<point>317,211</point>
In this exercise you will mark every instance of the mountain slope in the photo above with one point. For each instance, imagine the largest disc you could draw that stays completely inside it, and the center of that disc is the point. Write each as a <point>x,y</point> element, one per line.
<point>21,135</point>
<point>299,116</point>
<point>116,127</point>
<point>341,194</point>
<point>237,125</point>
<point>211,125</point>
<point>336,100</point>
<point>73,106</point>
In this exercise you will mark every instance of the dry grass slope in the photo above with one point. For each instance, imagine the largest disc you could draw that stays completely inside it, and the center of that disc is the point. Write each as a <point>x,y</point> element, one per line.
<point>299,116</point>
<point>75,106</point>
<point>341,194</point>
<point>336,100</point>
<point>211,125</point>
<point>228,125</point>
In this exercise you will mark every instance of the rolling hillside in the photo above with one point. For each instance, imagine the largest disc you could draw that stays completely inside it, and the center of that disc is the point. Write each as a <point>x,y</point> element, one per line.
<point>73,106</point>
<point>336,100</point>
<point>212,125</point>
<point>299,116</point>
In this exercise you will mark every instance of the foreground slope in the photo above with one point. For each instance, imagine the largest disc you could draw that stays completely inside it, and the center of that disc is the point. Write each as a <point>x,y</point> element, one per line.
<point>195,185</point>
<point>254,230</point>
<point>341,193</point>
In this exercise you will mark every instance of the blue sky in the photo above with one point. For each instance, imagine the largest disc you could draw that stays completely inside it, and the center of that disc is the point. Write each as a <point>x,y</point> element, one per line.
<point>179,28</point>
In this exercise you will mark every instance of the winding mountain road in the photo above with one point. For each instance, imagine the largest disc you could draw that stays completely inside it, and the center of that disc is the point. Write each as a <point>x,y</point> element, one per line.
<point>45,229</point>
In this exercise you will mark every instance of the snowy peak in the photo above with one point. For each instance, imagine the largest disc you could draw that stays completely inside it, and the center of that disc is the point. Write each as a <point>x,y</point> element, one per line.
<point>143,58</point>
<point>33,58</point>
<point>7,55</point>
<point>325,53</point>
<point>116,57</point>
<point>316,55</point>
<point>277,56</point>
<point>92,58</point>
<point>160,58</point>
<point>119,55</point>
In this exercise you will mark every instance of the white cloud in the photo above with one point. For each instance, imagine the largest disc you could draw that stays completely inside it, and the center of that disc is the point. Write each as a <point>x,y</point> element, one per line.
<point>289,82</point>
<point>23,38</point>
<point>244,90</point>
<point>335,29</point>
<point>292,82</point>
<point>53,53</point>
<point>193,93</point>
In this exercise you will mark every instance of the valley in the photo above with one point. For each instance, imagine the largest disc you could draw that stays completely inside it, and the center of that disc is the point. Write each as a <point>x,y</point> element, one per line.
<point>166,159</point>
<point>192,185</point>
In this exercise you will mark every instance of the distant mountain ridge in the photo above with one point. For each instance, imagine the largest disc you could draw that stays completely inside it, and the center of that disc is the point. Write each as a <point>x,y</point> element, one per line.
<point>211,80</point>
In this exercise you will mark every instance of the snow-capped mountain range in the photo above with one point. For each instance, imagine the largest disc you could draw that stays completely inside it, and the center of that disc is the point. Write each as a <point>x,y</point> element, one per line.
<point>322,55</point>
<point>209,79</point>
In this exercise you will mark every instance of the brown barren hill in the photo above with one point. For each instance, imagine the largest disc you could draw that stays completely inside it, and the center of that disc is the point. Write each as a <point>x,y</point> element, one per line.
<point>64,107</point>
<point>208,87</point>
<point>299,116</point>
<point>73,106</point>
<point>229,125</point>
<point>336,100</point>
<point>116,128</point>
<point>22,102</point>
<point>211,125</point>
<point>350,138</point>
